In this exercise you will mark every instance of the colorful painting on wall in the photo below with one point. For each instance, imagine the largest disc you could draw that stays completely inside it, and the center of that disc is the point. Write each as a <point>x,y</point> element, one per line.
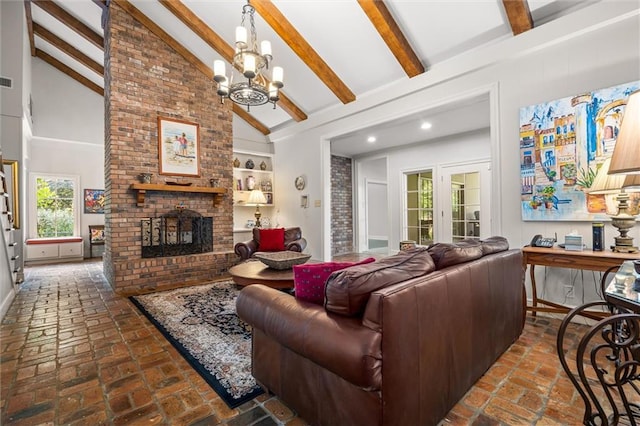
<point>94,201</point>
<point>563,143</point>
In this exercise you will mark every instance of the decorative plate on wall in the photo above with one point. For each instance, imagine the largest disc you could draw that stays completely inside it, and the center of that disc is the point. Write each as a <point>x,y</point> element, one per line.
<point>300,183</point>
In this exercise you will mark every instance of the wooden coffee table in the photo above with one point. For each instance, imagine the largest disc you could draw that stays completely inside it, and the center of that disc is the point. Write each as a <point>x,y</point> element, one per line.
<point>256,272</point>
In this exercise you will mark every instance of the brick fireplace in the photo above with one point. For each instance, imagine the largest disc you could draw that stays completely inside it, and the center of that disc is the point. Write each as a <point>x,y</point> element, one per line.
<point>144,79</point>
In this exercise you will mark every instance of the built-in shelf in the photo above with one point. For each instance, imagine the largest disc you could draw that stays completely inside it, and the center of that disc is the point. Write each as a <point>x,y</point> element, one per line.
<point>142,188</point>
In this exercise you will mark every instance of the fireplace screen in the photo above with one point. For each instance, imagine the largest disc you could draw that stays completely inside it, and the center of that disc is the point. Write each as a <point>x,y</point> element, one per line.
<point>177,233</point>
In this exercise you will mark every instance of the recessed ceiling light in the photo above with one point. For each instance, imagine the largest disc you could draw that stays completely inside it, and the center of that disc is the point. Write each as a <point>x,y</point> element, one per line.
<point>426,125</point>
<point>371,139</point>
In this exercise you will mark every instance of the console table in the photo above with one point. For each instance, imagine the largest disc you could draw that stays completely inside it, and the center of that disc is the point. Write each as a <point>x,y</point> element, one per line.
<point>561,258</point>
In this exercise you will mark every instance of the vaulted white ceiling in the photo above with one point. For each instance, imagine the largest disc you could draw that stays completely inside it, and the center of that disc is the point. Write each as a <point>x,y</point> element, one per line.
<point>339,31</point>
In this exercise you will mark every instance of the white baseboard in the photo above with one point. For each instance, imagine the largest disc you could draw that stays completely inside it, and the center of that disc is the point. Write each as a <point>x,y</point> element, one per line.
<point>4,307</point>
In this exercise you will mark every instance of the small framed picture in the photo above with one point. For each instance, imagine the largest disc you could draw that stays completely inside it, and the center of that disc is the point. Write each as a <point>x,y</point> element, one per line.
<point>178,147</point>
<point>304,201</point>
<point>94,201</point>
<point>269,197</point>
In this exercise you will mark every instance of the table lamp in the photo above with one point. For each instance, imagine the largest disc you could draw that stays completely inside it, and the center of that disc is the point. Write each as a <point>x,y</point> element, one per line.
<point>257,197</point>
<point>626,161</point>
<point>604,183</point>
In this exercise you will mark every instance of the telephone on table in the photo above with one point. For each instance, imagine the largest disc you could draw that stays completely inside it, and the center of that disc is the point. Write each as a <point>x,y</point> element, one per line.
<point>540,241</point>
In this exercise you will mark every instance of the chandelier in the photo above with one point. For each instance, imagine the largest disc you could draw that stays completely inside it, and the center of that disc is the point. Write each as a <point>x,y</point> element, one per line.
<point>257,90</point>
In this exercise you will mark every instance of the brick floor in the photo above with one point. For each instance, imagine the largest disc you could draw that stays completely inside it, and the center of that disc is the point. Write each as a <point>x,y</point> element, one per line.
<point>74,352</point>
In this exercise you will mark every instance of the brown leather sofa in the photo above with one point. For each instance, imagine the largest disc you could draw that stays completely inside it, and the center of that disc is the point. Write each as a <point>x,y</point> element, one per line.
<point>293,241</point>
<point>397,342</point>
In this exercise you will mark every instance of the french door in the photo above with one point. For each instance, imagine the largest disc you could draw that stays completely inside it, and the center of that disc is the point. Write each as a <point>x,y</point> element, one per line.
<point>465,200</point>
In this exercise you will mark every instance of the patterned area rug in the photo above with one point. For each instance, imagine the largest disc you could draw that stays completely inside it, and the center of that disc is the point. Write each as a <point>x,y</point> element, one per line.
<point>202,324</point>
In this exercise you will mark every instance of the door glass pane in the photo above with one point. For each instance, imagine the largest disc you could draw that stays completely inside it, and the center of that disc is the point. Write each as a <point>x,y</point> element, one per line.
<point>412,200</point>
<point>419,210</point>
<point>412,182</point>
<point>465,206</point>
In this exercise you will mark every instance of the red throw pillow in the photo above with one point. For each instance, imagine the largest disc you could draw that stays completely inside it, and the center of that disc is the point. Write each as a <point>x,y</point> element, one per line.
<point>309,278</point>
<point>271,239</point>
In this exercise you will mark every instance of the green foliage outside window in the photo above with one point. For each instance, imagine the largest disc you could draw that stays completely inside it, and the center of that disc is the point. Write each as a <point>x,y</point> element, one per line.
<point>54,205</point>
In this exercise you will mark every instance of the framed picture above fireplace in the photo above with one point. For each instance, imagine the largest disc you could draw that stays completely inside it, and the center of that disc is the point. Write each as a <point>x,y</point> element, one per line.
<point>178,147</point>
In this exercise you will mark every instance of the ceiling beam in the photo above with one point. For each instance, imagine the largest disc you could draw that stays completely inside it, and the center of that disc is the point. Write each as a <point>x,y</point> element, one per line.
<point>32,42</point>
<point>287,32</point>
<point>69,20</point>
<point>69,71</point>
<point>56,41</point>
<point>519,15</point>
<point>175,45</point>
<point>200,28</point>
<point>380,17</point>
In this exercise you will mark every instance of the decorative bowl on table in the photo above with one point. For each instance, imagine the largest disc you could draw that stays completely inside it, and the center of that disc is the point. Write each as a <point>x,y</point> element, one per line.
<point>282,259</point>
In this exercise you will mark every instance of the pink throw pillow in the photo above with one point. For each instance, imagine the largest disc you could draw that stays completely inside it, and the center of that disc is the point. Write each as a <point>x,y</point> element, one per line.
<point>309,278</point>
<point>271,240</point>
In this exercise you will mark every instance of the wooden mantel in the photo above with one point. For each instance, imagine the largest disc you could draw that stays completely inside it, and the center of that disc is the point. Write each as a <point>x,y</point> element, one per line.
<point>142,188</point>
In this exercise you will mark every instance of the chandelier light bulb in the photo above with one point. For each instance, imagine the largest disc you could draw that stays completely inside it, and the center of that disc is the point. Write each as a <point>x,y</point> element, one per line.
<point>273,92</point>
<point>241,37</point>
<point>219,70</point>
<point>249,70</point>
<point>265,48</point>
<point>223,87</point>
<point>277,77</point>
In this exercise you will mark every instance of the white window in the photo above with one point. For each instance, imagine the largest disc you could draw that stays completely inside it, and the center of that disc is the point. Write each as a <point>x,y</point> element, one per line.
<point>53,205</point>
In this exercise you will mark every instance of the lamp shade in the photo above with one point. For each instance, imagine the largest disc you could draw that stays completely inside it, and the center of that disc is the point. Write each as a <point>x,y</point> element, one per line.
<point>626,154</point>
<point>257,197</point>
<point>604,183</point>
<point>632,183</point>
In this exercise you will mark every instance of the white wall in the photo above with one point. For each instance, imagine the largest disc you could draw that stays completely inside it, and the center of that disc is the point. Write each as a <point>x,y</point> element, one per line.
<point>594,48</point>
<point>63,108</point>
<point>14,64</point>
<point>247,138</point>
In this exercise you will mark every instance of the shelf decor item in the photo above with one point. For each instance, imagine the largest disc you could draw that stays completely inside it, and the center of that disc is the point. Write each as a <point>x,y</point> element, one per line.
<point>178,147</point>
<point>236,163</point>
<point>144,177</point>
<point>249,164</point>
<point>251,183</point>
<point>263,166</point>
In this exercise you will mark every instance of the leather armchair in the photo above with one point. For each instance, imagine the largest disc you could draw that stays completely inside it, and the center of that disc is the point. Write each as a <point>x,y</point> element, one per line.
<point>293,241</point>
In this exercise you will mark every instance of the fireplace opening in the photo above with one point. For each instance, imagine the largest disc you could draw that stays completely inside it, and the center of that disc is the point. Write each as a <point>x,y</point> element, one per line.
<point>177,233</point>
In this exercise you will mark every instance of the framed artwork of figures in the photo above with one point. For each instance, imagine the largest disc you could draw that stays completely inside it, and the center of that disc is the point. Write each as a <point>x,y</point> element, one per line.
<point>178,147</point>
